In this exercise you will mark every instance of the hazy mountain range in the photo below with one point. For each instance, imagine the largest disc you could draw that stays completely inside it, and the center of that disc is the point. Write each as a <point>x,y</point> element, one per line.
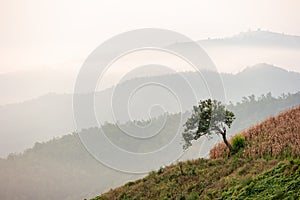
<point>51,115</point>
<point>230,54</point>
<point>251,47</point>
<point>257,38</point>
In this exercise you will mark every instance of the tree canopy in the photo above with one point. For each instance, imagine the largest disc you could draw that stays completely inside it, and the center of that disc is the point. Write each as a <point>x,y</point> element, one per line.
<point>209,117</point>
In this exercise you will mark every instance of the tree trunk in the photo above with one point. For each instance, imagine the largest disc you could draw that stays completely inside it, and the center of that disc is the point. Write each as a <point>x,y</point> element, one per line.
<point>232,151</point>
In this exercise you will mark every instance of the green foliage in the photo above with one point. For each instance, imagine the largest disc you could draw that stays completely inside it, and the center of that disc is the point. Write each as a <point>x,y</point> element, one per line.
<point>192,171</point>
<point>209,117</point>
<point>238,142</point>
<point>130,183</point>
<point>152,174</point>
<point>161,170</point>
<point>234,178</point>
<point>281,182</point>
<point>124,196</point>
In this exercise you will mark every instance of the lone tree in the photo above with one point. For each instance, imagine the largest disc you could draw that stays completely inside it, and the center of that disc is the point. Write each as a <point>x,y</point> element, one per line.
<point>209,117</point>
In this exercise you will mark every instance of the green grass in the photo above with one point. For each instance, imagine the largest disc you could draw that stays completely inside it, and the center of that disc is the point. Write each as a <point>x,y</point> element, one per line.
<point>233,178</point>
<point>281,182</point>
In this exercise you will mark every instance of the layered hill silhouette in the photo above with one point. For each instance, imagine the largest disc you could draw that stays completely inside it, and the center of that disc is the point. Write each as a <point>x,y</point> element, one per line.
<point>62,168</point>
<point>257,38</point>
<point>251,47</point>
<point>268,167</point>
<point>51,115</point>
<point>236,52</point>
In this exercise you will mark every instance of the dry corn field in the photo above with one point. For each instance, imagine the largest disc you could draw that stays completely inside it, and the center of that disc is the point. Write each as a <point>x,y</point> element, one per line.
<point>276,136</point>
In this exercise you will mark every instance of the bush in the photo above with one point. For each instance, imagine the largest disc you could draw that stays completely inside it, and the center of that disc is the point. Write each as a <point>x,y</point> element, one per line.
<point>160,171</point>
<point>130,183</point>
<point>238,142</point>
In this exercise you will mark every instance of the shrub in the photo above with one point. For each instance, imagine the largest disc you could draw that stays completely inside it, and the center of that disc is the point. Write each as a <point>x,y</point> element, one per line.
<point>130,183</point>
<point>238,142</point>
<point>160,171</point>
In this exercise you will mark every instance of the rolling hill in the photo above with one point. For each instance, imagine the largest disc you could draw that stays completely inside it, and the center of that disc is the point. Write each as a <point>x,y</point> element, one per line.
<point>51,115</point>
<point>62,168</point>
<point>268,167</point>
<point>249,48</point>
<point>257,38</point>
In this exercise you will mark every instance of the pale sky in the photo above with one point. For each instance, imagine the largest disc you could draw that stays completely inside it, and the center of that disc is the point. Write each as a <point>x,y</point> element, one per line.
<point>61,33</point>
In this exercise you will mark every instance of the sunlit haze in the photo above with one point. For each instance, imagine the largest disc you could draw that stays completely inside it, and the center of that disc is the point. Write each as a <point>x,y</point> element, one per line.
<point>60,34</point>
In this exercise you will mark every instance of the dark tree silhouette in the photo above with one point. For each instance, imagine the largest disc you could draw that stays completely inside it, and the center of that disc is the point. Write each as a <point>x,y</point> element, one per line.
<point>209,117</point>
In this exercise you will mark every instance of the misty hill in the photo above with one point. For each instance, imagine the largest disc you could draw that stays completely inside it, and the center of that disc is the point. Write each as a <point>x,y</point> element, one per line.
<point>58,169</point>
<point>255,172</point>
<point>20,86</point>
<point>249,48</point>
<point>229,54</point>
<point>62,168</point>
<point>259,79</point>
<point>51,115</point>
<point>257,38</point>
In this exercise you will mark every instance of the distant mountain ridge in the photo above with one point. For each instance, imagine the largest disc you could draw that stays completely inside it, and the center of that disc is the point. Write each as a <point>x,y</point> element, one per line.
<point>256,47</point>
<point>258,37</point>
<point>49,116</point>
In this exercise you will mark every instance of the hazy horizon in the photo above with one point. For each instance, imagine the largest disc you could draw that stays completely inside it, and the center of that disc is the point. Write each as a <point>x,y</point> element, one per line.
<point>61,34</point>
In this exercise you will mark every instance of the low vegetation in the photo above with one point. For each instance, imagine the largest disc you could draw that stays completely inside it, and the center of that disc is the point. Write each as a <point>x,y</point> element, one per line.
<point>277,136</point>
<point>266,166</point>
<point>281,182</point>
<point>217,178</point>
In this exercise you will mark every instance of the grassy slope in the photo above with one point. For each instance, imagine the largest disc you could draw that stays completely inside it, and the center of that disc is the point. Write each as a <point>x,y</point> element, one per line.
<point>255,176</point>
<point>218,178</point>
<point>277,136</point>
<point>282,181</point>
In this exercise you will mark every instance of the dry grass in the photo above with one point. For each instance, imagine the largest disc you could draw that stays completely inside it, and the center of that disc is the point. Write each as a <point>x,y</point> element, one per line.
<point>275,137</point>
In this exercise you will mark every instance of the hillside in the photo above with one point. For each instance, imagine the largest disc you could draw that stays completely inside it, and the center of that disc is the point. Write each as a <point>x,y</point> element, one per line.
<point>70,172</point>
<point>277,136</point>
<point>254,172</point>
<point>58,169</point>
<point>218,178</point>
<point>52,115</point>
